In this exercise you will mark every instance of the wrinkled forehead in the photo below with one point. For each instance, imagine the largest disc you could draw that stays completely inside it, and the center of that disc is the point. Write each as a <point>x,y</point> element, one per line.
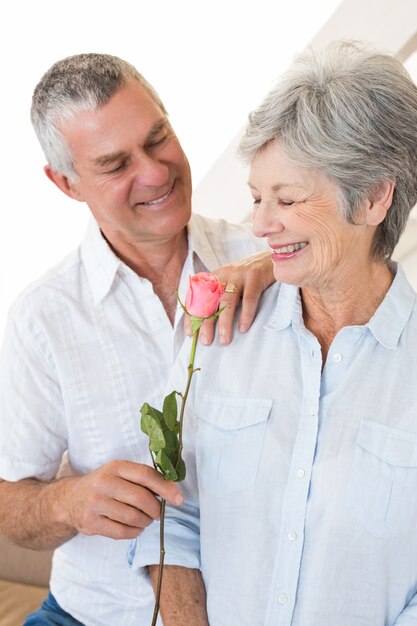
<point>130,119</point>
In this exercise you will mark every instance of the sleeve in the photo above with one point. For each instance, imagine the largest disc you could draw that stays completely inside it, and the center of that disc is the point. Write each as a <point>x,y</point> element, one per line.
<point>32,425</point>
<point>408,617</point>
<point>182,524</point>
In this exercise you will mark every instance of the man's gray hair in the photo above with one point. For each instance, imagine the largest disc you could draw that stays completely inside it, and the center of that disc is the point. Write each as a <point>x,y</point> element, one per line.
<point>352,112</point>
<point>83,82</point>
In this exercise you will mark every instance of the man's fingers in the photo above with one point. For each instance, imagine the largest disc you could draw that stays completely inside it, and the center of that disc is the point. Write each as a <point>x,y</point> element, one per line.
<point>131,515</point>
<point>207,332</point>
<point>146,476</point>
<point>230,301</point>
<point>187,325</point>
<point>250,303</point>
<point>116,530</point>
<point>130,496</point>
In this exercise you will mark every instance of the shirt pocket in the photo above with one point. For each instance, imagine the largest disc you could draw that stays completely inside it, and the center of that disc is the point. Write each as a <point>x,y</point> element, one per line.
<point>230,435</point>
<point>382,489</point>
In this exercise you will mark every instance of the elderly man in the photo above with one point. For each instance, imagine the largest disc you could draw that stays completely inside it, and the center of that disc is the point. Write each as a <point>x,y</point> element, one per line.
<point>97,335</point>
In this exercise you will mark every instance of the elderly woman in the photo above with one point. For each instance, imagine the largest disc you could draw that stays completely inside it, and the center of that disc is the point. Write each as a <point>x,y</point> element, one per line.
<point>302,436</point>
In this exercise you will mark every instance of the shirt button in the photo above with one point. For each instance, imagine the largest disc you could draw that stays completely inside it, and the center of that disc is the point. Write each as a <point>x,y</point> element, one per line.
<point>337,358</point>
<point>301,473</point>
<point>292,536</point>
<point>312,411</point>
<point>282,598</point>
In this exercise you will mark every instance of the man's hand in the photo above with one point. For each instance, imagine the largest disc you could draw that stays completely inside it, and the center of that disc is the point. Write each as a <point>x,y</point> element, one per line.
<point>117,500</point>
<point>246,279</point>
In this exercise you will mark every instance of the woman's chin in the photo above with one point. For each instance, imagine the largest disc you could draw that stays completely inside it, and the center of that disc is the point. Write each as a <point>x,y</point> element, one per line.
<point>283,276</point>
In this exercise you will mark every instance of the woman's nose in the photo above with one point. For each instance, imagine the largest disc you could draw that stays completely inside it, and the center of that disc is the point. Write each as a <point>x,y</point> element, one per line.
<point>265,220</point>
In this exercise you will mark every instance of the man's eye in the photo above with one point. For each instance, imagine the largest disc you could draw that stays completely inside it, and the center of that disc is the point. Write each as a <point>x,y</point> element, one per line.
<point>285,202</point>
<point>256,201</point>
<point>118,168</point>
<point>157,142</point>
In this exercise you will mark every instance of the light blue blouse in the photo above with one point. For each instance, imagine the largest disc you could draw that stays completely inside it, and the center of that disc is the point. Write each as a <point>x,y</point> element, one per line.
<point>301,488</point>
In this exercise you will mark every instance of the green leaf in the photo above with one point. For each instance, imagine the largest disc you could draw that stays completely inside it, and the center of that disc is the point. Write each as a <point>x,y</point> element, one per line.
<point>170,410</point>
<point>166,466</point>
<point>151,425</point>
<point>156,438</point>
<point>217,313</point>
<point>196,323</point>
<point>181,471</point>
<point>149,417</point>
<point>181,304</point>
<point>172,445</point>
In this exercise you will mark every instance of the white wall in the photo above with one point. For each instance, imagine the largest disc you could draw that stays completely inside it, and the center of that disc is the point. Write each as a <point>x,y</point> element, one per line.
<point>390,24</point>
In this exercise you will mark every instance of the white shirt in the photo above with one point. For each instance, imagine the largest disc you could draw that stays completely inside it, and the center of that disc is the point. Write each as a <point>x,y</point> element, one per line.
<point>84,348</point>
<point>305,481</point>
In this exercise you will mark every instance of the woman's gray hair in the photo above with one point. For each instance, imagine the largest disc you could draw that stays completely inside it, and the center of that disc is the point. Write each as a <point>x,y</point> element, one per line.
<point>352,112</point>
<point>83,82</point>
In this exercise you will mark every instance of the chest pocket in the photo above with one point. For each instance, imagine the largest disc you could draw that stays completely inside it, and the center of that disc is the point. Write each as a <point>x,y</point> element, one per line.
<point>230,435</point>
<point>382,490</point>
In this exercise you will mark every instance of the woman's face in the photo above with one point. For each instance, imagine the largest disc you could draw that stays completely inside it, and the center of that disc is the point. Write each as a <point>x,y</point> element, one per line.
<point>297,210</point>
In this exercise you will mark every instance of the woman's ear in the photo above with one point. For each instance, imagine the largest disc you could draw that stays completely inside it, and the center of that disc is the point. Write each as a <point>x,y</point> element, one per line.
<point>63,183</point>
<point>380,201</point>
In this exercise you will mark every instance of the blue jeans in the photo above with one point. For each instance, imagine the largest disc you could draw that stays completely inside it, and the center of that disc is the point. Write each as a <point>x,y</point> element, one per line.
<point>51,614</point>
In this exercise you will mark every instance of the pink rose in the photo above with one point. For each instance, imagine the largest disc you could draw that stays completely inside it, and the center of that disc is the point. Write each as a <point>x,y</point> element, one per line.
<point>203,294</point>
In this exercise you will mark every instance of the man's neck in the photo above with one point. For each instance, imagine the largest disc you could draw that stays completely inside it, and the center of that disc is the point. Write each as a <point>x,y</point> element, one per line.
<point>161,262</point>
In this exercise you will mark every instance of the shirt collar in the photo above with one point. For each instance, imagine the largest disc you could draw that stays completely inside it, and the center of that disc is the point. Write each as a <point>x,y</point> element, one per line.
<point>204,240</point>
<point>198,253</point>
<point>392,315</point>
<point>100,262</point>
<point>387,323</point>
<point>287,309</point>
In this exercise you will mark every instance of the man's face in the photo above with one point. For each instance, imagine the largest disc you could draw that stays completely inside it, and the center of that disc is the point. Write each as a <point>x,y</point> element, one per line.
<point>133,173</point>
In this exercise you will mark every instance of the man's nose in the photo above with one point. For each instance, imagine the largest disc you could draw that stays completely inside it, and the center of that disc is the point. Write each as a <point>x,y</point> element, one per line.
<point>150,172</point>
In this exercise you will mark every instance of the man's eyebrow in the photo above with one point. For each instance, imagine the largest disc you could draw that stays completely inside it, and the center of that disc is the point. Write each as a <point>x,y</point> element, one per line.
<point>156,128</point>
<point>110,159</point>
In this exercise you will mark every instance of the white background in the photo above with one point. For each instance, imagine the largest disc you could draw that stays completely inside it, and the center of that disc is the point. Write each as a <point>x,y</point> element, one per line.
<point>211,63</point>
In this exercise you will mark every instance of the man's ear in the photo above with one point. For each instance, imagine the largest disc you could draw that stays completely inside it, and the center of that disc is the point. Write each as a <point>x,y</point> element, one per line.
<point>379,203</point>
<point>63,183</point>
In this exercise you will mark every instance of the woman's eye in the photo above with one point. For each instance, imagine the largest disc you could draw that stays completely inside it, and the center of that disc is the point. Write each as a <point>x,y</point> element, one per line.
<point>286,202</point>
<point>256,200</point>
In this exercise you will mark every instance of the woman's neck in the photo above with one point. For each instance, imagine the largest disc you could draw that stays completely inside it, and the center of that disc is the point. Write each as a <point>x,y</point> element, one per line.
<point>348,302</point>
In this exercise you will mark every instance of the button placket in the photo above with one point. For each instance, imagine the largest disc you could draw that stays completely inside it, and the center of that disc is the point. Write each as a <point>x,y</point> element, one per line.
<point>289,552</point>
